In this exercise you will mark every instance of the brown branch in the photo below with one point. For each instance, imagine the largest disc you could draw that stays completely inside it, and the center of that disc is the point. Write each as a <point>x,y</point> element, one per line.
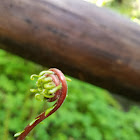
<point>87,42</point>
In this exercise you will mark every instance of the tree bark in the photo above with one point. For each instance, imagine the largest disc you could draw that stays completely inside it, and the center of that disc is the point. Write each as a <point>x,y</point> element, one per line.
<point>84,41</point>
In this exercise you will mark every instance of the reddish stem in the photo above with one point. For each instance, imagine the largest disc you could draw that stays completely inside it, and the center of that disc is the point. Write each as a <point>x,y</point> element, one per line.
<point>60,95</point>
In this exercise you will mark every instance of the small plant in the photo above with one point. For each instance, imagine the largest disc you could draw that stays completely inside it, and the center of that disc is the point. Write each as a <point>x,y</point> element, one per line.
<point>51,86</point>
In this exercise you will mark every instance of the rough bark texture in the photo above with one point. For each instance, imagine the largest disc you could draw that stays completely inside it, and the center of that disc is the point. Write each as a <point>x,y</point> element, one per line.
<point>84,41</point>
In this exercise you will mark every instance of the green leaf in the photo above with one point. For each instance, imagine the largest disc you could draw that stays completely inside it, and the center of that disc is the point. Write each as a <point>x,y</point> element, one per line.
<point>18,134</point>
<point>39,97</point>
<point>44,72</point>
<point>33,76</point>
<point>49,110</point>
<point>55,89</point>
<point>68,79</point>
<point>33,121</point>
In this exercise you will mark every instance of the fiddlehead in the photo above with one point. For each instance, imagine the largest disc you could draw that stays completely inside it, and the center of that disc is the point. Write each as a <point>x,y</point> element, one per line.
<point>51,86</point>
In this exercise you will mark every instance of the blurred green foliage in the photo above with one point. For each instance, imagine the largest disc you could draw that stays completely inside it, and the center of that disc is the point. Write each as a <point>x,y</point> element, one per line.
<point>89,113</point>
<point>129,8</point>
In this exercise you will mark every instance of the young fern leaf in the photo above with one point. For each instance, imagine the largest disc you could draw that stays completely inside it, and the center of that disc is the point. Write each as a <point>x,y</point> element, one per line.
<point>51,86</point>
